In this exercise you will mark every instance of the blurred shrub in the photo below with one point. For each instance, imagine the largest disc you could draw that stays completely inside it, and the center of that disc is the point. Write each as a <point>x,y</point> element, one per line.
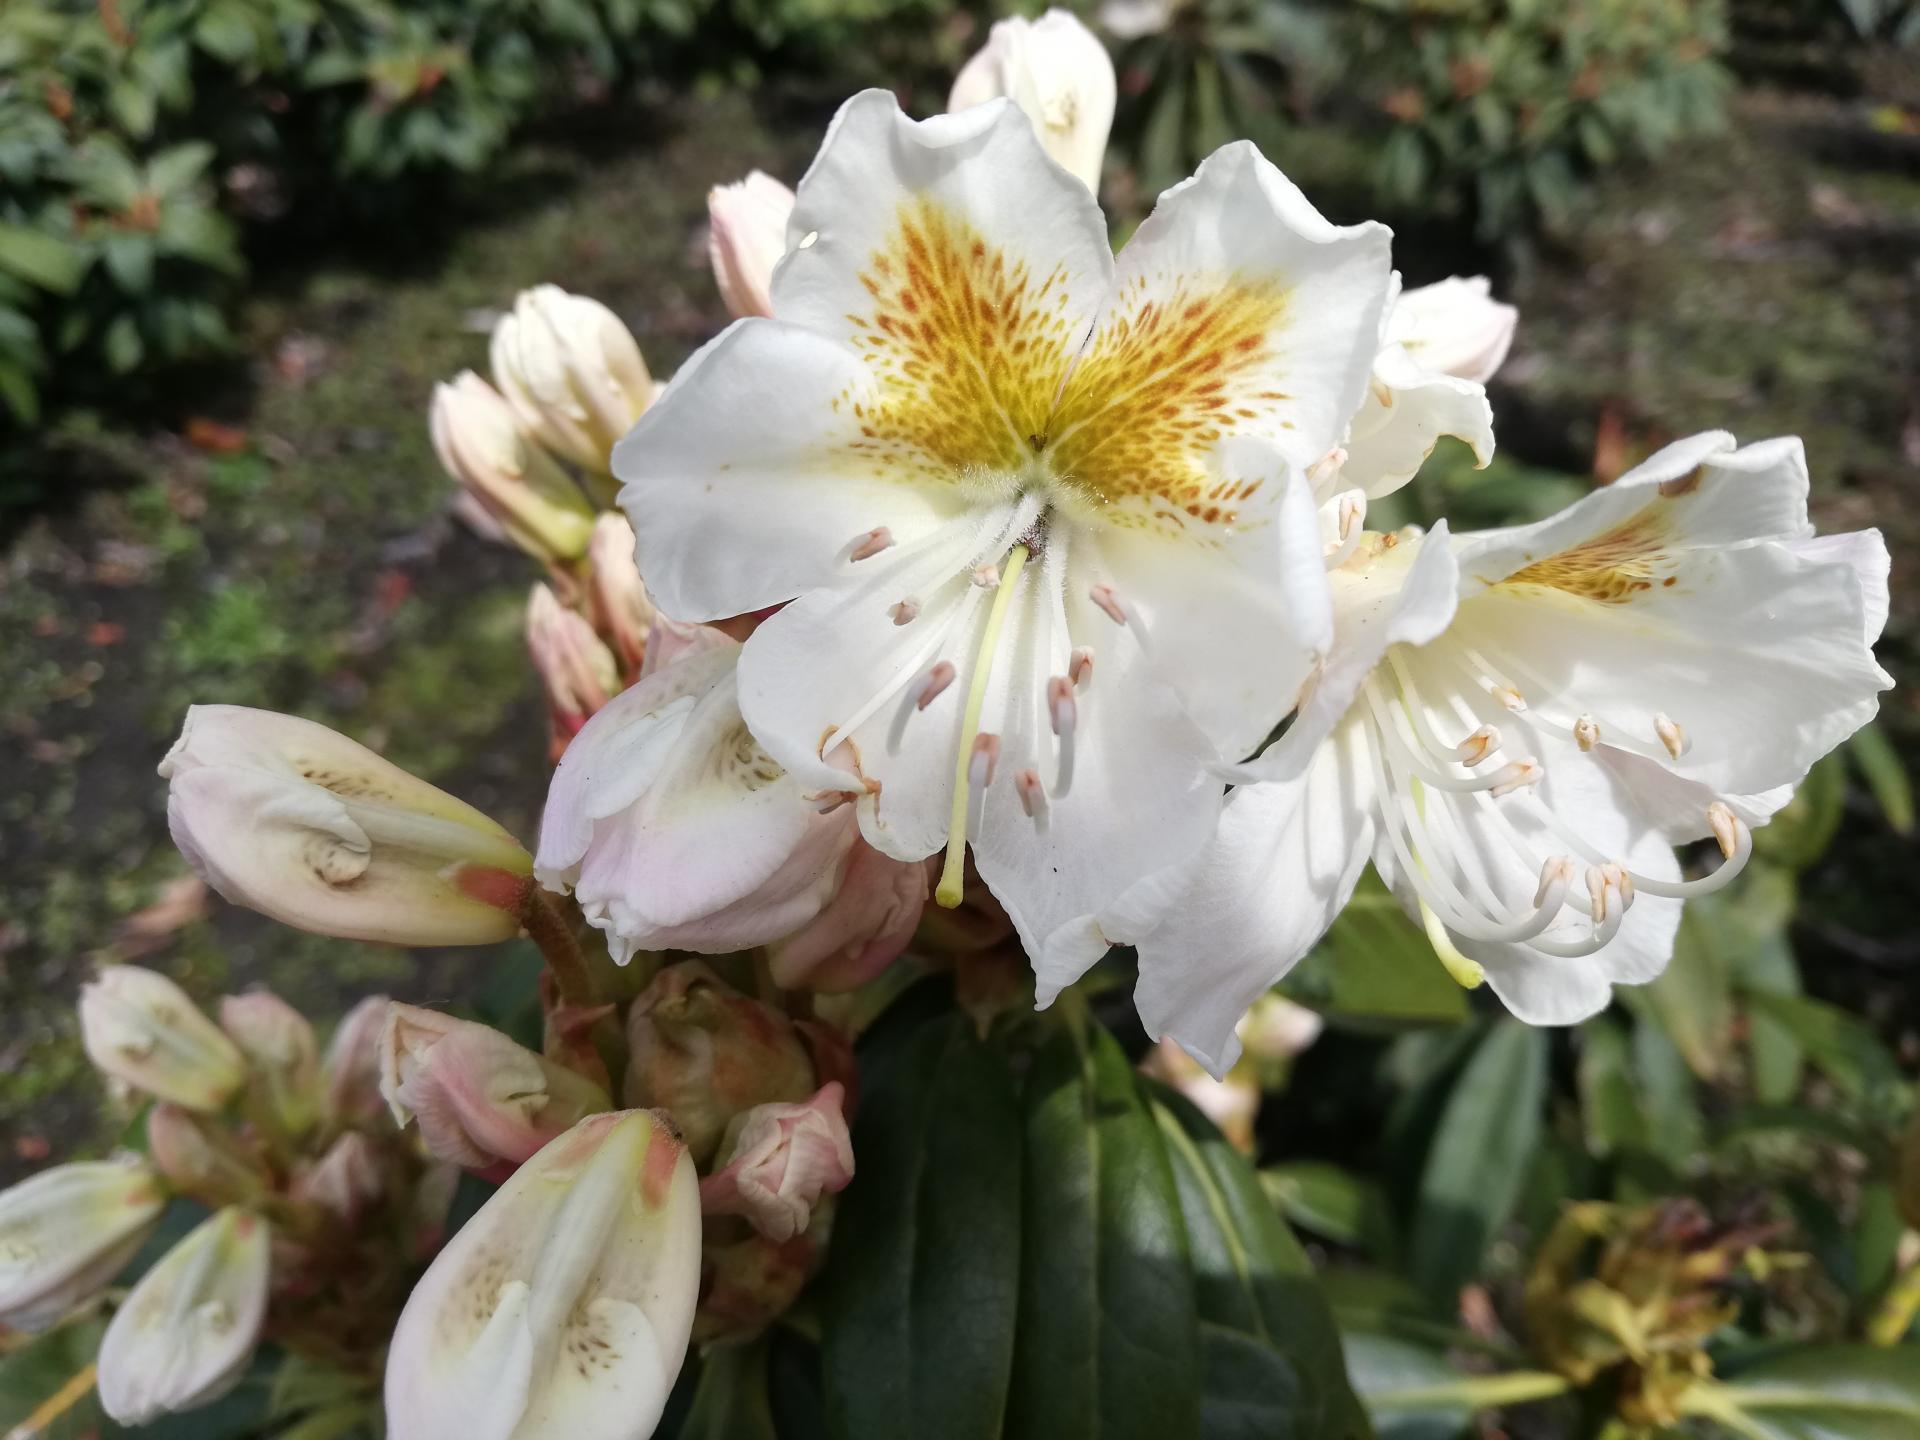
<point>1494,107</point>
<point>133,136</point>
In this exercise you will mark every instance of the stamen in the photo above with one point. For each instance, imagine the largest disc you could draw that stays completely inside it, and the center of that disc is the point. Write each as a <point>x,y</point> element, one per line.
<point>1324,469</point>
<point>1516,776</point>
<point>1108,600</point>
<point>1477,746</point>
<point>866,546</point>
<point>1671,735</point>
<point>1063,711</point>
<point>1080,665</point>
<point>1726,827</point>
<point>825,802</point>
<point>912,701</point>
<point>953,873</point>
<point>1556,876</point>
<point>1586,732</point>
<point>905,612</point>
<point>1033,795</point>
<point>981,762</point>
<point>986,575</point>
<point>1353,515</point>
<point>1509,697</point>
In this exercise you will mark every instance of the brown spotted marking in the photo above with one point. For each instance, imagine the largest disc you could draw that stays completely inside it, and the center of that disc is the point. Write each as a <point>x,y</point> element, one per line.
<point>1612,568</point>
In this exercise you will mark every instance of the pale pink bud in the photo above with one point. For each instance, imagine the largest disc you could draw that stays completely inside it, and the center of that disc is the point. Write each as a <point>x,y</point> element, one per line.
<point>204,1159</point>
<point>861,931</point>
<point>522,487</point>
<point>293,820</point>
<point>1454,327</point>
<point>279,1043</point>
<point>564,1306</point>
<point>572,373</point>
<point>184,1336</point>
<point>1275,1029</point>
<point>345,1180</point>
<point>140,1029</point>
<point>480,1100</point>
<point>704,1052</point>
<point>617,598</point>
<point>782,1159</point>
<point>746,236</point>
<point>577,671</point>
<point>66,1232</point>
<point>353,1063</point>
<point>1058,73</point>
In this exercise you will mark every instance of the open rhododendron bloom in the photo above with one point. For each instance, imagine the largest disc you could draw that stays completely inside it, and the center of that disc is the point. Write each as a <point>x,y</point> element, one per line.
<point>1029,502</point>
<point>1518,727</point>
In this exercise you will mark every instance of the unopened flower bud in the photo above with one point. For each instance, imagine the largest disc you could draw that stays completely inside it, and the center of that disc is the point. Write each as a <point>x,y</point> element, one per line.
<point>1275,1029</point>
<point>352,1067</point>
<point>747,1284</point>
<point>1454,327</point>
<point>480,1099</point>
<point>746,236</point>
<point>1232,1103</point>
<point>279,1044</point>
<point>203,1159</point>
<point>780,1160</point>
<point>184,1336</point>
<point>520,486</point>
<point>617,597</point>
<point>140,1029</point>
<point>345,1180</point>
<point>572,373</point>
<point>300,823</point>
<point>66,1232</point>
<point>861,931</point>
<point>1057,71</point>
<point>577,671</point>
<point>564,1306</point>
<point>704,1052</point>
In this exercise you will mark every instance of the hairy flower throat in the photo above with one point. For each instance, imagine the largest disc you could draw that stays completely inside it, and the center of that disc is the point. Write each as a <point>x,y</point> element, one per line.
<point>952,873</point>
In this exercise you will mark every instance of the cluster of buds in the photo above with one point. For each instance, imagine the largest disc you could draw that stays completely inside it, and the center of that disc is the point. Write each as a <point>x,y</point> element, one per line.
<point>1638,1292</point>
<point>318,1208</point>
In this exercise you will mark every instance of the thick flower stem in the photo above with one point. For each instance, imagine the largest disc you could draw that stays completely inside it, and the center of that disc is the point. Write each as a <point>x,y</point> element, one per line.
<point>548,929</point>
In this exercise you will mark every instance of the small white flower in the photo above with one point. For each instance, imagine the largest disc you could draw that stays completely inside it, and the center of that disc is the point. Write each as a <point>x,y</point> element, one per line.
<point>1029,503</point>
<point>184,1336</point>
<point>572,373</point>
<point>563,1307</point>
<point>66,1232</point>
<point>1518,727</point>
<point>140,1029</point>
<point>1059,74</point>
<point>298,822</point>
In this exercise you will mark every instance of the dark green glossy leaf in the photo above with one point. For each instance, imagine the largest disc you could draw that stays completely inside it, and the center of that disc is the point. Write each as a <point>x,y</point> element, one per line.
<point>1478,1162</point>
<point>1845,1048</point>
<point>1880,766</point>
<point>1272,1367</point>
<point>1385,1367</point>
<point>731,1401</point>
<point>1829,1392</point>
<point>1331,1202</point>
<point>1108,1338</point>
<point>41,259</point>
<point>922,1285</point>
<point>1375,968</point>
<point>53,1365</point>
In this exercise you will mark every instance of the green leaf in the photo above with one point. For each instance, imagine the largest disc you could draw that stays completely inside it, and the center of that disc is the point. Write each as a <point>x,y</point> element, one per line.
<point>1478,1162</point>
<point>1108,1338</point>
<point>41,259</point>
<point>731,1400</point>
<point>129,259</point>
<point>1376,966</point>
<point>1798,835</point>
<point>923,1281</point>
<point>1692,999</point>
<point>1845,1048</point>
<point>1609,1108</point>
<point>123,345</point>
<point>1829,1392</point>
<point>1880,766</point>
<point>1272,1367</point>
<point>178,166</point>
<point>49,1366</point>
<point>1385,1368</point>
<point>1676,1129</point>
<point>1345,1208</point>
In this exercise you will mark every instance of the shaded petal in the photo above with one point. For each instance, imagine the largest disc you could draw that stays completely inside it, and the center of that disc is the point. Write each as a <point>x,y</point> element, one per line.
<point>1405,415</point>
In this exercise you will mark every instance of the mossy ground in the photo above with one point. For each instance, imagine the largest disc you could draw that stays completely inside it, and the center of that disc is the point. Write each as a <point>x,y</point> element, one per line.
<point>1747,283</point>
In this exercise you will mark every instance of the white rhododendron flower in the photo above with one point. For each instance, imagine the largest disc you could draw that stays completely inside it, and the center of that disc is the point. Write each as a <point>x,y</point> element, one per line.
<point>141,1030</point>
<point>746,236</point>
<point>1041,514</point>
<point>1059,74</point>
<point>184,1336</point>
<point>298,822</point>
<point>1518,726</point>
<point>563,1307</point>
<point>572,373</point>
<point>66,1232</point>
<point>676,830</point>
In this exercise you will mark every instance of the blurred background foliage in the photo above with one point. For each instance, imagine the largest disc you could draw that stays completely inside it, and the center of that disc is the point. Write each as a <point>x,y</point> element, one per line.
<point>239,239</point>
